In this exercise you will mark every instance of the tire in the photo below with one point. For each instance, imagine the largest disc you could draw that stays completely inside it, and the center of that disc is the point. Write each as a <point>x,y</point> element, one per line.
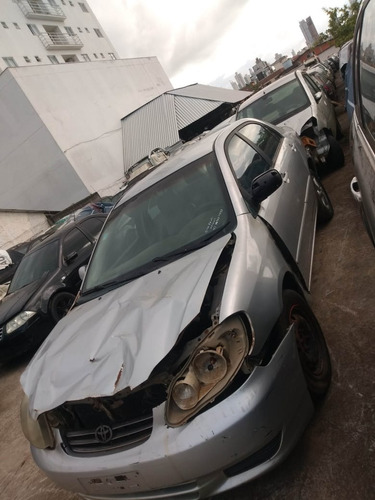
<point>311,345</point>
<point>335,158</point>
<point>325,207</point>
<point>60,304</point>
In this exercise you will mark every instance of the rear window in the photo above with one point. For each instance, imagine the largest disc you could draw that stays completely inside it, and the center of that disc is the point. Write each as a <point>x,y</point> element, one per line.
<point>278,105</point>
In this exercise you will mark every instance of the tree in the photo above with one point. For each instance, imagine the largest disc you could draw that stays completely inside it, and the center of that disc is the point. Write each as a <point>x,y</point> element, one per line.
<point>342,22</point>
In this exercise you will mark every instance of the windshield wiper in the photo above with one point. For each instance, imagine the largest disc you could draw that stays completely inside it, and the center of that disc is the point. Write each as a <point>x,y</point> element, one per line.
<point>191,248</point>
<point>112,284</point>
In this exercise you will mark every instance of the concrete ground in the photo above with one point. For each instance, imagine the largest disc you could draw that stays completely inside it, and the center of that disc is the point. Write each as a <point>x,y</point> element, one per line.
<point>335,459</point>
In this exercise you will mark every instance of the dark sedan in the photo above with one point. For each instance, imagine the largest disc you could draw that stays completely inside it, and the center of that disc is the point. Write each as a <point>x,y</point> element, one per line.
<point>45,285</point>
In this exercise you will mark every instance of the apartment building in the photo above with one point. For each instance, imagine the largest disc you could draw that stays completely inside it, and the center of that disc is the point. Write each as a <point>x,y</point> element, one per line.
<point>34,32</point>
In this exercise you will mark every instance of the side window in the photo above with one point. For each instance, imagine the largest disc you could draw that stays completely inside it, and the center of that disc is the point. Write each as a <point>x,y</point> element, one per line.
<point>75,241</point>
<point>311,84</point>
<point>251,152</point>
<point>263,138</point>
<point>366,84</point>
<point>92,226</point>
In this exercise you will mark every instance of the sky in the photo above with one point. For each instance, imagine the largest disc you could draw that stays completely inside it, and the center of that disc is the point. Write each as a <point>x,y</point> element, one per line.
<point>207,41</point>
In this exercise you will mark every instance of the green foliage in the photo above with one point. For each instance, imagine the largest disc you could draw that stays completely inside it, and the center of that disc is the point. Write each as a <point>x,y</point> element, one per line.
<point>342,22</point>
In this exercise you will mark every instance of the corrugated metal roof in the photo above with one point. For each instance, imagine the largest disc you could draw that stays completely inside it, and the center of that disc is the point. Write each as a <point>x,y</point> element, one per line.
<point>211,93</point>
<point>157,124</point>
<point>154,125</point>
<point>189,109</point>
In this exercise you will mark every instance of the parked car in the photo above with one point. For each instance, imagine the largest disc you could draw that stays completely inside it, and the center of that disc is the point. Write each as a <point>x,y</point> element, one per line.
<point>323,83</point>
<point>44,286</point>
<point>362,130</point>
<point>295,100</point>
<point>192,360</point>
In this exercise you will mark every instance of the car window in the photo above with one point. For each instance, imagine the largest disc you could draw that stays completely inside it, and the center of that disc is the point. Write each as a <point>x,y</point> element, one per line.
<point>178,214</point>
<point>366,83</point>
<point>35,264</point>
<point>311,84</point>
<point>251,152</point>
<point>92,226</point>
<point>75,241</point>
<point>277,105</point>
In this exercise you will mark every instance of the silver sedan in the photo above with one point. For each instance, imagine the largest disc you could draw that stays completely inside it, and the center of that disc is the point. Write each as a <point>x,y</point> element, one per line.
<point>192,361</point>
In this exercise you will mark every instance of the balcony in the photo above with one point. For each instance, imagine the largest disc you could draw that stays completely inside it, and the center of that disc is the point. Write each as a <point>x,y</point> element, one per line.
<point>37,9</point>
<point>61,41</point>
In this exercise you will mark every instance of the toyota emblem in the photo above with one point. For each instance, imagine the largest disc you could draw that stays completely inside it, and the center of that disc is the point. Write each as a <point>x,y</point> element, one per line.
<point>103,433</point>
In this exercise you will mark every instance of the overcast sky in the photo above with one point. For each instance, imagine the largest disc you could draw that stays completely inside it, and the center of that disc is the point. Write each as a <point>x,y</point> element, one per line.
<point>207,41</point>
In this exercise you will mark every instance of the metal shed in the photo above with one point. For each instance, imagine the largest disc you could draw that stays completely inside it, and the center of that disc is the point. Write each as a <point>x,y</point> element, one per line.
<point>178,114</point>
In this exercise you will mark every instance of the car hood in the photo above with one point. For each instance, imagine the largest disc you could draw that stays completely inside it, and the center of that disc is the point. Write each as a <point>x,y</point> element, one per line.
<point>114,341</point>
<point>15,302</point>
<point>296,122</point>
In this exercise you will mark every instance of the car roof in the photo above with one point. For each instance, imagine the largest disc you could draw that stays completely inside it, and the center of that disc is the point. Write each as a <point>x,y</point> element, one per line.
<point>60,231</point>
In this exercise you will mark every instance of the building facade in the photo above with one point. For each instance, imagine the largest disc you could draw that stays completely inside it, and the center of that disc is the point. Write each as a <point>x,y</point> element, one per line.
<point>309,31</point>
<point>34,32</point>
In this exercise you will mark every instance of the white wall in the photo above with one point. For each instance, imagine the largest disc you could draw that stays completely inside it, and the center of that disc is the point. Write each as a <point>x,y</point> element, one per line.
<point>82,104</point>
<point>19,227</point>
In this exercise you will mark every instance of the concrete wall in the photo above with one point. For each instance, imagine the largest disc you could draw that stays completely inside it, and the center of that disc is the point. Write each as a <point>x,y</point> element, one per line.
<point>19,227</point>
<point>82,104</point>
<point>35,174</point>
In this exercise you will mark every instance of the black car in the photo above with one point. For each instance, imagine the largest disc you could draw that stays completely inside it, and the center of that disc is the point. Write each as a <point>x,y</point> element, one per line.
<point>45,285</point>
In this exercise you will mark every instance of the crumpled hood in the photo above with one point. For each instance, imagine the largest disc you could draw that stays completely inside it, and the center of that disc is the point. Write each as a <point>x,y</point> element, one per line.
<point>296,122</point>
<point>116,340</point>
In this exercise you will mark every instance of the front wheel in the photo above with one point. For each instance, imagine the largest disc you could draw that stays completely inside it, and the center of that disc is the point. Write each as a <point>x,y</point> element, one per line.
<point>325,207</point>
<point>60,305</point>
<point>312,348</point>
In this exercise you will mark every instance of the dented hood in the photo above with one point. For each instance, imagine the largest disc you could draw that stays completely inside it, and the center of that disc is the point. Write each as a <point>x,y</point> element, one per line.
<point>115,341</point>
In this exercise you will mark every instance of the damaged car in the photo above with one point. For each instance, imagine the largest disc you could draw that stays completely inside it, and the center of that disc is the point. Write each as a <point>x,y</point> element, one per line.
<point>192,361</point>
<point>295,100</point>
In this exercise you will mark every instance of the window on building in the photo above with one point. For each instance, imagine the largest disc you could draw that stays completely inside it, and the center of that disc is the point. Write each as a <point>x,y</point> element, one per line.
<point>27,59</point>
<point>38,59</point>
<point>72,4</point>
<point>70,58</point>
<point>95,55</point>
<point>86,57</point>
<point>34,29</point>
<point>87,30</point>
<point>98,32</point>
<point>83,7</point>
<point>4,25</point>
<point>69,30</point>
<point>111,55</point>
<point>79,29</point>
<point>53,59</point>
<point>63,2</point>
<point>102,55</point>
<point>16,26</point>
<point>10,62</point>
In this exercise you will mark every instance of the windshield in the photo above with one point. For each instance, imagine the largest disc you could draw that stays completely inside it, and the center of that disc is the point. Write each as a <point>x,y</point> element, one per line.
<point>178,214</point>
<point>35,264</point>
<point>278,105</point>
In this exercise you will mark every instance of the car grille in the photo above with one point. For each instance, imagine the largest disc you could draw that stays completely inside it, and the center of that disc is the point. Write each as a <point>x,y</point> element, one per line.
<point>105,438</point>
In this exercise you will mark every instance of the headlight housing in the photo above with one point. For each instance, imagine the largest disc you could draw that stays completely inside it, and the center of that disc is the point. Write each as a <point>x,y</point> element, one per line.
<point>18,321</point>
<point>208,371</point>
<point>37,432</point>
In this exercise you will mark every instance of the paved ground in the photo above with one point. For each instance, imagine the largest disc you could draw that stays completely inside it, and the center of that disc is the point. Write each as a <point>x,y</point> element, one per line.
<point>335,459</point>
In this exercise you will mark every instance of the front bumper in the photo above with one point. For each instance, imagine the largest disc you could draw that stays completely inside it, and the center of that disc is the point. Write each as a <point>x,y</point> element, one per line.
<point>231,443</point>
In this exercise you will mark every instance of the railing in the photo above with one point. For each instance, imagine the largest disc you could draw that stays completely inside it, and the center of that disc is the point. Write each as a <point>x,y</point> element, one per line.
<point>60,41</point>
<point>37,9</point>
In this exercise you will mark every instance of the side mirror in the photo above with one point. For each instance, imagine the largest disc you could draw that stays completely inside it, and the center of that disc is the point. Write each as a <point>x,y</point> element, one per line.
<point>82,272</point>
<point>318,96</point>
<point>265,184</point>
